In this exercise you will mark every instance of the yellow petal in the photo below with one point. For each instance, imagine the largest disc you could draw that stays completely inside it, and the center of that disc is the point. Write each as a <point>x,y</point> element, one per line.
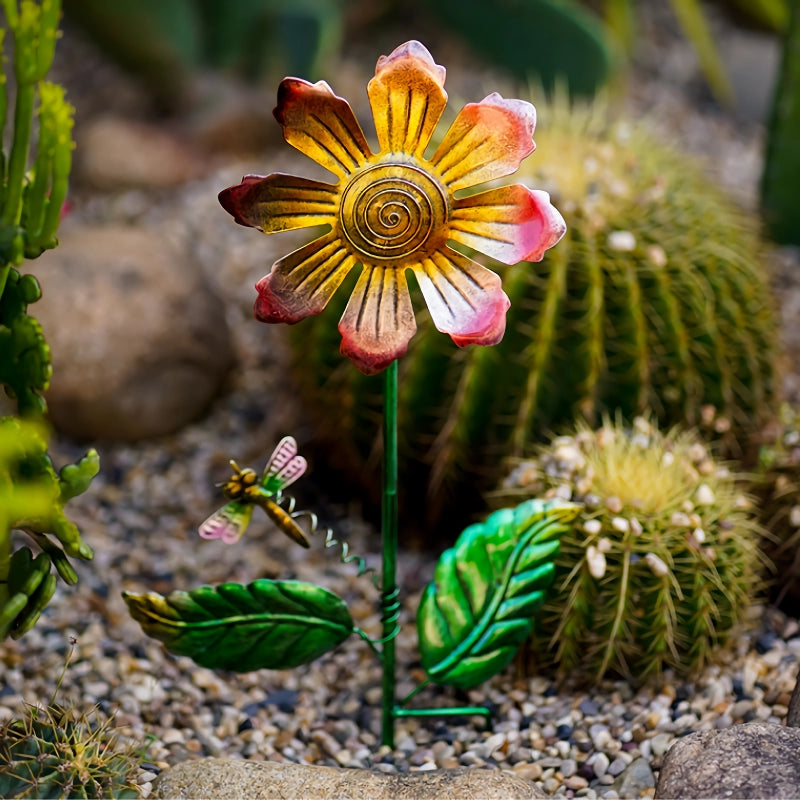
<point>302,283</point>
<point>510,223</point>
<point>379,319</point>
<point>280,202</point>
<point>321,125</point>
<point>487,140</point>
<point>407,99</point>
<point>465,299</point>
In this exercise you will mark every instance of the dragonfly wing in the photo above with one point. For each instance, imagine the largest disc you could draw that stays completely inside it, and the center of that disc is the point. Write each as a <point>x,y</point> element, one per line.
<point>228,524</point>
<point>290,472</point>
<point>284,466</point>
<point>283,453</point>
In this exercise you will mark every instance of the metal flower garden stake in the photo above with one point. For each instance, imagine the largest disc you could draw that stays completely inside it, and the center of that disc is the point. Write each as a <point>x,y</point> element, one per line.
<point>389,212</point>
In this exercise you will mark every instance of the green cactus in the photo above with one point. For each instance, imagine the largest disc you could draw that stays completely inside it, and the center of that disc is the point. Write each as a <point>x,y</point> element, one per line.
<point>656,299</point>
<point>776,484</point>
<point>32,493</point>
<point>662,564</point>
<point>25,366</point>
<point>57,752</point>
<point>32,498</point>
<point>782,157</point>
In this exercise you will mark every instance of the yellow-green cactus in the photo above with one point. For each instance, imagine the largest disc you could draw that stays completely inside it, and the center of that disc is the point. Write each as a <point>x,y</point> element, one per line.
<point>662,564</point>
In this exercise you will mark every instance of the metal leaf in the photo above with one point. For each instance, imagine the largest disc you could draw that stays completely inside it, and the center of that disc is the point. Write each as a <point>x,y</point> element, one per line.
<point>262,625</point>
<point>486,590</point>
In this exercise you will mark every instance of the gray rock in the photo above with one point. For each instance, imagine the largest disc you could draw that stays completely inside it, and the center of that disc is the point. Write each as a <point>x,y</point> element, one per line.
<point>793,715</point>
<point>230,779</point>
<point>752,760</point>
<point>115,153</point>
<point>635,779</point>
<point>139,341</point>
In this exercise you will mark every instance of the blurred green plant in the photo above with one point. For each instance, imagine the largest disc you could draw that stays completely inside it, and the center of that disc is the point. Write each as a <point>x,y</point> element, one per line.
<point>662,563</point>
<point>781,173</point>
<point>32,493</point>
<point>656,298</point>
<point>620,17</point>
<point>547,41</point>
<point>776,484</point>
<point>162,42</point>
<point>32,499</point>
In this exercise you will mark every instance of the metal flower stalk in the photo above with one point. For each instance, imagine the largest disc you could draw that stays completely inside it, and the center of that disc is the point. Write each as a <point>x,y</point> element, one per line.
<point>392,211</point>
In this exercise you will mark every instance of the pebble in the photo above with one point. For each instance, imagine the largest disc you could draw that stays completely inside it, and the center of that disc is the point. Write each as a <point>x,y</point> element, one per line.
<point>568,767</point>
<point>600,764</point>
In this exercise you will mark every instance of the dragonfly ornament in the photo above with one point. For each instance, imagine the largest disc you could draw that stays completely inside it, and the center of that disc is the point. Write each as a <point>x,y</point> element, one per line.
<point>244,491</point>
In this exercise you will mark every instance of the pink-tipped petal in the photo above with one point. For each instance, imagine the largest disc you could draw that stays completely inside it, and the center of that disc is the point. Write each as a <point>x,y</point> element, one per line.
<point>487,140</point>
<point>493,332</point>
<point>280,202</point>
<point>379,320</point>
<point>465,299</point>
<point>302,283</point>
<point>407,98</point>
<point>510,224</point>
<point>322,125</point>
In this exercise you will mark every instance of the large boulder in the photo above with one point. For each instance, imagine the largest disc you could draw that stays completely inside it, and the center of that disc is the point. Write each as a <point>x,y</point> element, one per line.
<point>230,779</point>
<point>752,760</point>
<point>139,341</point>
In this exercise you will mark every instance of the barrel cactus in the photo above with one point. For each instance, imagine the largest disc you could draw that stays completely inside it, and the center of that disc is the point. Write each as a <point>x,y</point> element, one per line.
<point>661,565</point>
<point>656,299</point>
<point>58,752</point>
<point>777,486</point>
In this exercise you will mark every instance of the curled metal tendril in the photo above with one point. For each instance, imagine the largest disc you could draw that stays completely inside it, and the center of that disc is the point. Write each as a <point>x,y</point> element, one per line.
<point>390,612</point>
<point>288,503</point>
<point>390,601</point>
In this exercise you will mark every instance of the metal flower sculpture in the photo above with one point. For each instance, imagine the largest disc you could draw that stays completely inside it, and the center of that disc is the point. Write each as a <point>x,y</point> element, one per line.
<point>390,212</point>
<point>397,210</point>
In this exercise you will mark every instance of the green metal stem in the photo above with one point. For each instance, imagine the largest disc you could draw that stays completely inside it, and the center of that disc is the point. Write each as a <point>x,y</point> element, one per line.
<point>457,711</point>
<point>389,590</point>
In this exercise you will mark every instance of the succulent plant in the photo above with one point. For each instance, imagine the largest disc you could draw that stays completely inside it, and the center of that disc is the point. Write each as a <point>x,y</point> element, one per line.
<point>32,493</point>
<point>661,565</point>
<point>655,300</point>
<point>777,486</point>
<point>56,752</point>
<point>32,499</point>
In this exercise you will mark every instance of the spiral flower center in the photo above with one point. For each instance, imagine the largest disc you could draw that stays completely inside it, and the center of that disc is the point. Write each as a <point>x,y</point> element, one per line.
<point>390,211</point>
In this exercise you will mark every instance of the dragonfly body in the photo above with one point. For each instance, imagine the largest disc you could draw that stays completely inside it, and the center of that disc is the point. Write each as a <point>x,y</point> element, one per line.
<point>244,491</point>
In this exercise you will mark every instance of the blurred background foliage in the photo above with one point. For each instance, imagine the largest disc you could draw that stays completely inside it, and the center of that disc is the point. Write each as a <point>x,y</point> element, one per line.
<point>585,45</point>
<point>581,41</point>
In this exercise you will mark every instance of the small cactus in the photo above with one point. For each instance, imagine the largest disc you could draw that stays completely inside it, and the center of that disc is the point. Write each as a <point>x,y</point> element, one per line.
<point>661,565</point>
<point>59,753</point>
<point>656,300</point>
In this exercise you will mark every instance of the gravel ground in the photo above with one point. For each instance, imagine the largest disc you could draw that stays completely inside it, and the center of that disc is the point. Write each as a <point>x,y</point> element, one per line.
<point>141,515</point>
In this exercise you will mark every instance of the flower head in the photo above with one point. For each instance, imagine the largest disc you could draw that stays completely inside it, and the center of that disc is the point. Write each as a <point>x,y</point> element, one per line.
<point>397,210</point>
